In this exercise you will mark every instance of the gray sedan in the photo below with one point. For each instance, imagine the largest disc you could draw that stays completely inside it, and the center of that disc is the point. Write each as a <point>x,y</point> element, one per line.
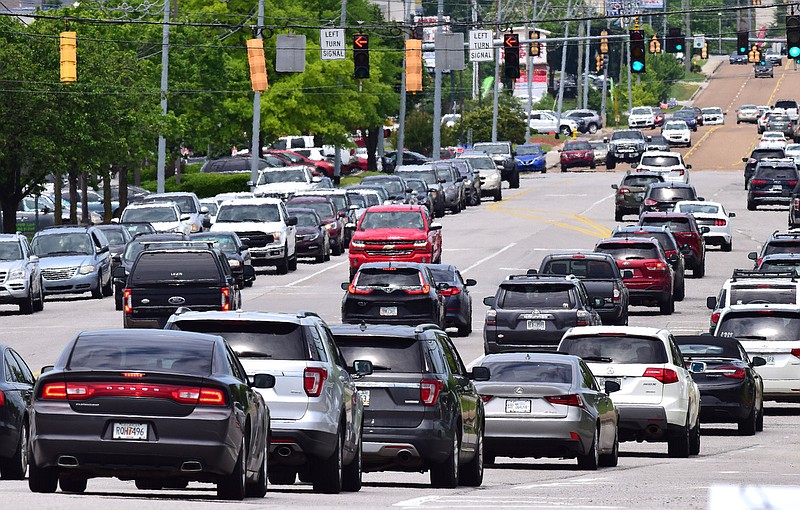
<point>547,405</point>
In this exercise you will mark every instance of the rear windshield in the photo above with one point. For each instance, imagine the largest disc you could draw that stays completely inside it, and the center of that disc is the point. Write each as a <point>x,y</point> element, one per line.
<point>324,209</point>
<point>761,294</point>
<point>392,186</point>
<point>667,241</point>
<point>543,295</point>
<point>392,354</point>
<point>429,176</point>
<point>529,372</point>
<point>786,104</point>
<point>672,193</point>
<point>660,161</point>
<point>150,215</point>
<point>674,224</point>
<point>699,208</point>
<point>715,348</point>
<point>581,268</point>
<point>444,274</point>
<point>760,154</point>
<point>115,237</point>
<point>620,349</point>
<point>483,163</point>
<point>278,176</point>
<point>256,339</point>
<point>392,277</point>
<point>777,173</point>
<point>184,355</point>
<point>780,265</point>
<point>782,247</point>
<point>641,180</point>
<point>629,251</point>
<point>179,266</point>
<point>764,325</point>
<point>392,219</point>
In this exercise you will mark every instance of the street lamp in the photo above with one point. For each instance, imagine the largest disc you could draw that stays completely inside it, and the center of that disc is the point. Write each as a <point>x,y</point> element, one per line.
<point>719,32</point>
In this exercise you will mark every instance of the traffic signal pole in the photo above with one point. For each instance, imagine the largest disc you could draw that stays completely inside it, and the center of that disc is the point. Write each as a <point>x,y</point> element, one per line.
<point>437,91</point>
<point>401,128</point>
<point>496,87</point>
<point>162,142</point>
<point>561,80</point>
<point>255,150</point>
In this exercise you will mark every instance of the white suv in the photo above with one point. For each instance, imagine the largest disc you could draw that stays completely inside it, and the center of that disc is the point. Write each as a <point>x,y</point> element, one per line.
<point>658,400</point>
<point>670,165</point>
<point>265,227</point>
<point>642,117</point>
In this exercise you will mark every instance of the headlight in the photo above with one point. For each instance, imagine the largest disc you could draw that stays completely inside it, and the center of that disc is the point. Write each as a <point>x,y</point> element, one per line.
<point>276,235</point>
<point>421,244</point>
<point>87,269</point>
<point>330,226</point>
<point>434,194</point>
<point>234,263</point>
<point>468,183</point>
<point>17,274</point>
<point>357,244</point>
<point>195,228</point>
<point>312,237</point>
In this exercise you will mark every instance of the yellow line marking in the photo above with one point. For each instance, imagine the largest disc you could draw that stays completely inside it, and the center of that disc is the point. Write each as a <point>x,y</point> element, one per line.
<point>590,233</point>
<point>777,85</point>
<point>697,143</point>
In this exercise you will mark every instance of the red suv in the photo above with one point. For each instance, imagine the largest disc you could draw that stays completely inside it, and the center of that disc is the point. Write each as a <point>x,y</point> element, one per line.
<point>688,233</point>
<point>402,233</point>
<point>646,270</point>
<point>576,153</point>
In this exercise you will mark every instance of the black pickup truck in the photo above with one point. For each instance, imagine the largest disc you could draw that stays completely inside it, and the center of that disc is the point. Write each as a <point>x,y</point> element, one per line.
<point>163,279</point>
<point>600,276</point>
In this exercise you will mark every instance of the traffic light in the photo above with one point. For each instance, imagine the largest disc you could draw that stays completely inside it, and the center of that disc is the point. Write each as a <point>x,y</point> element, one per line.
<point>742,42</point>
<point>258,65</point>
<point>69,57</point>
<point>793,36</point>
<point>655,45</point>
<point>754,55</point>
<point>511,52</point>
<point>704,51</point>
<point>604,42</point>
<point>599,62</point>
<point>637,51</point>
<point>534,49</point>
<point>413,65</point>
<point>676,42</point>
<point>361,56</point>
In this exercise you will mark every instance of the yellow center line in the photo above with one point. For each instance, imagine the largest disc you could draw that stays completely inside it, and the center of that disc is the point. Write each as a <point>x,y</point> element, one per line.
<point>777,85</point>
<point>697,143</point>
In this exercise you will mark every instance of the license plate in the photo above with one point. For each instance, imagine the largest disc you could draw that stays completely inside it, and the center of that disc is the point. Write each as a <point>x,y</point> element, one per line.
<point>131,431</point>
<point>364,394</point>
<point>536,325</point>
<point>777,187</point>
<point>518,406</point>
<point>388,311</point>
<point>769,359</point>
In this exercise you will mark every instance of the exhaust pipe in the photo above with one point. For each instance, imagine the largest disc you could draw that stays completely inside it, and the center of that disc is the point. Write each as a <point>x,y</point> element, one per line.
<point>654,431</point>
<point>283,451</point>
<point>67,461</point>
<point>404,456</point>
<point>191,465</point>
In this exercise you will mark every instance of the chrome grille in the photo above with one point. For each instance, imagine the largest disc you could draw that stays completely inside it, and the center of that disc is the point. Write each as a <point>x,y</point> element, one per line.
<point>254,239</point>
<point>388,253</point>
<point>3,275</point>
<point>59,273</point>
<point>382,243</point>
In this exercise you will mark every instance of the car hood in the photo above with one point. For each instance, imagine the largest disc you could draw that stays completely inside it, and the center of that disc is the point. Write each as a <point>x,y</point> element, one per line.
<point>65,261</point>
<point>9,265</point>
<point>166,226</point>
<point>668,132</point>
<point>282,187</point>
<point>389,234</point>
<point>529,157</point>
<point>307,230</point>
<point>246,226</point>
<point>642,116</point>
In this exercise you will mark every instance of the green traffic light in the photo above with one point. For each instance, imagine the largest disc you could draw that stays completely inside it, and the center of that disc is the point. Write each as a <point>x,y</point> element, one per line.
<point>637,66</point>
<point>679,47</point>
<point>794,51</point>
<point>742,50</point>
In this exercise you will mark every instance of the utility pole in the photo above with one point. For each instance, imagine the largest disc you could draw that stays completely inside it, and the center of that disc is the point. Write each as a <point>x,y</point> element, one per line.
<point>687,54</point>
<point>528,73</point>
<point>475,77</point>
<point>561,81</point>
<point>162,142</point>
<point>437,90</point>
<point>579,79</point>
<point>585,102</point>
<point>627,44</point>
<point>401,128</point>
<point>337,151</point>
<point>255,150</point>
<point>496,76</point>
<point>605,81</point>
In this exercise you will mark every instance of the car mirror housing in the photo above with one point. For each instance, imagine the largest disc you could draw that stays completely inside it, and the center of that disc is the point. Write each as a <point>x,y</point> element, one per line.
<point>204,210</point>
<point>731,215</point>
<point>263,381</point>
<point>435,226</point>
<point>752,255</point>
<point>119,273</point>
<point>470,282</point>
<point>488,301</point>
<point>611,386</point>
<point>758,361</point>
<point>480,374</point>
<point>291,221</point>
<point>46,368</point>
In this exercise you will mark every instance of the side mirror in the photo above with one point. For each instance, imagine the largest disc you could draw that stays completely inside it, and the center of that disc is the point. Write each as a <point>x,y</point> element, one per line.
<point>488,301</point>
<point>731,215</point>
<point>344,285</point>
<point>48,368</point>
<point>33,259</point>
<point>409,190</point>
<point>627,274</point>
<point>45,210</point>
<point>353,207</point>
<point>442,286</point>
<point>250,184</point>
<point>711,302</point>
<point>649,138</point>
<point>204,210</point>
<point>316,178</point>
<point>480,374</point>
<point>701,199</point>
<point>697,367</point>
<point>757,361</point>
<point>531,272</point>
<point>605,139</point>
<point>249,273</point>
<point>470,282</point>
<point>206,222</point>
<point>686,247</point>
<point>752,255</point>
<point>705,230</point>
<point>263,381</point>
<point>119,273</point>
<point>291,221</point>
<point>442,181</point>
<point>116,257</point>
<point>634,165</point>
<point>433,188</point>
<point>435,226</point>
<point>598,302</point>
<point>103,249</point>
<point>343,214</point>
<point>362,367</point>
<point>688,167</point>
<point>614,186</point>
<point>611,386</point>
<point>672,257</point>
<point>185,217</point>
<point>744,160</point>
<point>350,226</point>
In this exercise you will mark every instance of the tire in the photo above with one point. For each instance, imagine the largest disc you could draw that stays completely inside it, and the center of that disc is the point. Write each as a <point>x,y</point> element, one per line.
<point>727,246</point>
<point>283,266</point>
<point>611,164</point>
<point>694,439</point>
<point>680,292</point>
<point>445,474</point>
<point>249,283</point>
<point>591,459</point>
<point>566,131</point>
<point>293,263</point>
<point>118,300</point>
<point>498,195</point>
<point>108,289</point>
<point>98,292</point>
<point>592,166</point>
<point>336,249</point>
<point>328,473</point>
<point>15,467</point>
<point>489,460</point>
<point>42,480</point>
<point>232,487</point>
<point>258,489</point>
<point>282,477</point>
<point>456,208</point>
<point>471,475</point>
<point>75,484</point>
<point>619,216</point>
<point>700,271</point>
<point>678,445</point>
<point>751,206</point>
<point>351,473</point>
<point>149,484</point>
<point>611,459</point>
<point>748,426</point>
<point>592,129</point>
<point>760,419</point>
<point>465,329</point>
<point>667,306</point>
<point>563,168</point>
<point>38,304</point>
<point>514,181</point>
<point>26,305</point>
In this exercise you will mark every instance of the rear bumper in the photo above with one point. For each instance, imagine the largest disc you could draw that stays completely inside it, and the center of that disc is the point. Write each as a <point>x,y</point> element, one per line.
<point>781,390</point>
<point>293,447</point>
<point>538,437</point>
<point>407,449</point>
<point>614,314</point>
<point>643,423</point>
<point>508,341</point>
<point>724,406</point>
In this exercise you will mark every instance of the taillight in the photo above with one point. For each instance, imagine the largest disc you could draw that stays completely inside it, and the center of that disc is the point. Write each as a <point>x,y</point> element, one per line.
<point>758,262</point>
<point>421,290</point>
<point>565,400</point>
<point>54,391</point>
<point>3,399</point>
<point>452,291</point>
<point>429,390</point>
<point>617,294</point>
<point>681,171</point>
<point>793,183</point>
<point>720,223</point>
<point>86,391</point>
<point>732,372</point>
<point>664,375</point>
<point>127,301</point>
<point>491,318</point>
<point>352,289</point>
<point>714,318</point>
<point>313,379</point>
<point>486,398</point>
<point>649,201</point>
<point>796,204</point>
<point>796,353</point>
<point>758,182</point>
<point>226,299</point>
<point>622,191</point>
<point>211,397</point>
<point>582,318</point>
<point>655,266</point>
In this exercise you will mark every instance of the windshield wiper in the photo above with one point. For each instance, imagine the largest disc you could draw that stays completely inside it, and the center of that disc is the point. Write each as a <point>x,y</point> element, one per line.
<point>64,253</point>
<point>634,257</point>
<point>252,354</point>
<point>751,337</point>
<point>598,359</point>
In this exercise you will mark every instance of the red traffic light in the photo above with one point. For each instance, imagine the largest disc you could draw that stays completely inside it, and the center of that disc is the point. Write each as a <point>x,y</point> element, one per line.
<point>511,41</point>
<point>361,41</point>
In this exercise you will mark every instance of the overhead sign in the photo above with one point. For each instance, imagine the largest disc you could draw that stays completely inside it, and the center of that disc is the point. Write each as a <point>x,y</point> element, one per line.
<point>331,44</point>
<point>652,4</point>
<point>480,46</point>
<point>699,41</point>
<point>290,54</point>
<point>449,50</point>
<point>623,8</point>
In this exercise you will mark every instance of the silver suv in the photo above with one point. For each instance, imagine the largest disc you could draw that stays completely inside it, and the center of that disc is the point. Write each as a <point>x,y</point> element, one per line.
<point>315,411</point>
<point>589,121</point>
<point>20,276</point>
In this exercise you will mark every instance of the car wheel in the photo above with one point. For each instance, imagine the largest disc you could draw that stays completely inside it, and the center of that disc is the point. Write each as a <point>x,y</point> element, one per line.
<point>283,265</point>
<point>471,474</point>
<point>751,206</point>
<point>566,131</point>
<point>232,487</point>
<point>97,292</point>
<point>678,444</point>
<point>465,329</point>
<point>328,472</point>
<point>514,181</point>
<point>667,305</point>
<point>694,439</point>
<point>293,263</point>
<point>611,164</point>
<point>619,215</point>
<point>445,475</point>
<point>680,290</point>
<point>592,129</point>
<point>456,208</point>
<point>748,426</point>
<point>249,283</point>
<point>149,484</point>
<point>41,479</point>
<point>258,489</point>
<point>26,305</point>
<point>282,477</point>
<point>563,168</point>
<point>108,289</point>
<point>760,419</point>
<point>351,475</point>
<point>591,459</point>
<point>76,484</point>
<point>15,467</point>
<point>38,304</point>
<point>611,459</point>
<point>336,249</point>
<point>118,299</point>
<point>498,195</point>
<point>700,270</point>
<point>592,166</point>
<point>729,245</point>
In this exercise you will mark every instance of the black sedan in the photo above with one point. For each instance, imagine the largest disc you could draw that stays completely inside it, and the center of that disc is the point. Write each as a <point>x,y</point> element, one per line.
<point>457,300</point>
<point>163,408</point>
<point>118,236</point>
<point>16,388</point>
<point>312,238</point>
<point>731,391</point>
<point>235,251</point>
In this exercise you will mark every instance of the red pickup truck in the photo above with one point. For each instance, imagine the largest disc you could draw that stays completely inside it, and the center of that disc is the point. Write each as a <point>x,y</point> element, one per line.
<point>401,233</point>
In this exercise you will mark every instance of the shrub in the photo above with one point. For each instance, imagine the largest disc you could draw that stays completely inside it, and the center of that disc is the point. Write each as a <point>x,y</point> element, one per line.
<point>204,185</point>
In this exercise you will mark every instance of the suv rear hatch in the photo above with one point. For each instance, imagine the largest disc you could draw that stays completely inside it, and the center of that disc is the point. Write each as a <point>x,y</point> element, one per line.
<point>643,258</point>
<point>534,313</point>
<point>388,293</point>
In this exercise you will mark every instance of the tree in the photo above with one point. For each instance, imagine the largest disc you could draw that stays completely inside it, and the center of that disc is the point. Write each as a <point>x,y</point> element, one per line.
<point>510,121</point>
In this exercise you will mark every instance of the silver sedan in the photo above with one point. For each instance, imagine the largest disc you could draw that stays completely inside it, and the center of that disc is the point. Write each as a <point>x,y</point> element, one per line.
<point>547,405</point>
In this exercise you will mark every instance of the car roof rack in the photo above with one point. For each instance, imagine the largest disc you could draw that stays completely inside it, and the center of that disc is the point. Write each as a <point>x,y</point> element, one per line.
<point>178,243</point>
<point>739,274</point>
<point>777,234</point>
<point>533,274</point>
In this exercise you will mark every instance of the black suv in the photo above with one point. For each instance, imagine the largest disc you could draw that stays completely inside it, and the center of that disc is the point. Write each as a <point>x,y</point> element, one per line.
<point>778,242</point>
<point>426,173</point>
<point>394,185</point>
<point>421,410</point>
<point>773,182</point>
<point>662,196</point>
<point>631,191</point>
<point>393,293</point>
<point>532,311</point>
<point>756,156</point>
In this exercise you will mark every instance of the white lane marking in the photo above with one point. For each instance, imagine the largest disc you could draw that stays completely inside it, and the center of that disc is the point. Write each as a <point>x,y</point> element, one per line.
<point>580,481</point>
<point>489,257</point>
<point>570,195</point>
<point>312,275</point>
<point>598,202</point>
<point>416,502</point>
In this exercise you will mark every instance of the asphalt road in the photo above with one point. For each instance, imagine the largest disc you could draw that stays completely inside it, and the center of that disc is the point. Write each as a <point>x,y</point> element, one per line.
<point>550,212</point>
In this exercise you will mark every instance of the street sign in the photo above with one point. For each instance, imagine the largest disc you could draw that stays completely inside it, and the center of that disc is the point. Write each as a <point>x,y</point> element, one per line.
<point>480,46</point>
<point>331,44</point>
<point>621,8</point>
<point>699,41</point>
<point>290,54</point>
<point>450,52</point>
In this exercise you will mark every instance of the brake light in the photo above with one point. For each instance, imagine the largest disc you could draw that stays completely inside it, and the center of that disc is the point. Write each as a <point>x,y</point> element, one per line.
<point>732,372</point>
<point>452,291</point>
<point>764,312</point>
<point>429,390</point>
<point>793,183</point>
<point>796,203</point>
<point>649,201</point>
<point>663,375</point>
<point>211,397</point>
<point>486,398</point>
<point>681,171</point>
<point>226,299</point>
<point>565,400</point>
<point>180,394</point>
<point>622,191</point>
<point>313,379</point>
<point>720,223</point>
<point>758,182</point>
<point>54,391</point>
<point>655,266</point>
<point>134,375</point>
<point>582,318</point>
<point>714,317</point>
<point>352,289</point>
<point>127,301</point>
<point>796,353</point>
<point>491,317</point>
<point>3,399</point>
<point>617,294</point>
<point>422,290</point>
<point>579,256</point>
